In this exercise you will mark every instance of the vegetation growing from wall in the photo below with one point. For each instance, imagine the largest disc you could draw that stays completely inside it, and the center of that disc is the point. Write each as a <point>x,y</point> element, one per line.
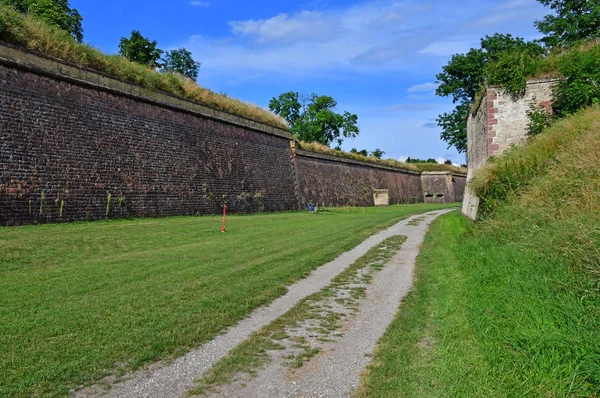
<point>32,33</point>
<point>314,118</point>
<point>57,13</point>
<point>417,167</point>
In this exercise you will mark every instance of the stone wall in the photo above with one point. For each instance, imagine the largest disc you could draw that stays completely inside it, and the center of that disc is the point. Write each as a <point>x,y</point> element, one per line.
<point>507,119</point>
<point>332,181</point>
<point>442,187</point>
<point>499,122</point>
<point>75,150</point>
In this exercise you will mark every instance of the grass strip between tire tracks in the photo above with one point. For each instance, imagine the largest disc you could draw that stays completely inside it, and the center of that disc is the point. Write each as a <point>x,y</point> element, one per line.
<point>253,353</point>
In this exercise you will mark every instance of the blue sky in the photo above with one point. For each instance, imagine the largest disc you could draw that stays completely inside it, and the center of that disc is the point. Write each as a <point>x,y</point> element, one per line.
<point>378,59</point>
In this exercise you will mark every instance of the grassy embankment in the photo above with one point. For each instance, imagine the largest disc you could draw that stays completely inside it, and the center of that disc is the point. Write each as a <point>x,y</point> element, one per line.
<point>80,301</point>
<point>510,306</point>
<point>33,34</point>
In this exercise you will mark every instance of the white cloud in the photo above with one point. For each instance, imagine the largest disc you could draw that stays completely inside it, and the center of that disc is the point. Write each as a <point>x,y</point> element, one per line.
<point>423,88</point>
<point>302,26</point>
<point>196,3</point>
<point>449,47</point>
<point>375,37</point>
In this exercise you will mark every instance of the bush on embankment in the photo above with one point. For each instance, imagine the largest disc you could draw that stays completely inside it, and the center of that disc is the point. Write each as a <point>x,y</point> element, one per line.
<point>31,33</point>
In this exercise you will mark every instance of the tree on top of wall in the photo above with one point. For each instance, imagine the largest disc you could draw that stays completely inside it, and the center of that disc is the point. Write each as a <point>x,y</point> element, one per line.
<point>181,61</point>
<point>572,21</point>
<point>140,49</point>
<point>55,12</point>
<point>378,153</point>
<point>465,75</point>
<point>314,118</point>
<point>362,152</point>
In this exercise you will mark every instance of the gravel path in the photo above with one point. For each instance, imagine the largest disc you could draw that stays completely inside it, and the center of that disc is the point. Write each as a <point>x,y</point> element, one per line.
<point>334,372</point>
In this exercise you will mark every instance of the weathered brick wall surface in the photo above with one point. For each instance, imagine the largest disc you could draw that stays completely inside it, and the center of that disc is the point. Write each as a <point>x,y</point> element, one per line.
<point>443,187</point>
<point>68,152</point>
<point>329,181</point>
<point>507,119</point>
<point>459,183</point>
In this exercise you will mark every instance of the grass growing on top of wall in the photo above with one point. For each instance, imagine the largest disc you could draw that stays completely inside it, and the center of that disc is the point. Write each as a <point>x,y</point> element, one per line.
<point>33,34</point>
<point>509,306</point>
<point>80,301</point>
<point>417,167</point>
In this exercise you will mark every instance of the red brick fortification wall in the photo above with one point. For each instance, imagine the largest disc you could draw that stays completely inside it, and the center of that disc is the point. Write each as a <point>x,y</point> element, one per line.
<point>332,181</point>
<point>72,151</point>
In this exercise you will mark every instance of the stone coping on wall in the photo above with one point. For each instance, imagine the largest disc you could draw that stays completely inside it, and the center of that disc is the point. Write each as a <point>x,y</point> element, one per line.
<point>30,61</point>
<point>338,159</point>
<point>535,81</point>
<point>444,173</point>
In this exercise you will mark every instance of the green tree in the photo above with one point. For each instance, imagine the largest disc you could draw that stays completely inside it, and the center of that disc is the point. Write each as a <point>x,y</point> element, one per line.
<point>55,12</point>
<point>362,152</point>
<point>454,126</point>
<point>314,118</point>
<point>181,61</point>
<point>378,153</point>
<point>465,75</point>
<point>572,21</point>
<point>140,49</point>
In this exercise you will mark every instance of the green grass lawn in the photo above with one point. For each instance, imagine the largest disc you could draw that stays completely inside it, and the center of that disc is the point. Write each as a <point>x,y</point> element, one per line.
<point>80,301</point>
<point>491,315</point>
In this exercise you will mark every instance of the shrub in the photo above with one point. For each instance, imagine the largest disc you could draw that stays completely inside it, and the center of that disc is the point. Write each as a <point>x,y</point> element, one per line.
<point>581,85</point>
<point>539,118</point>
<point>511,70</point>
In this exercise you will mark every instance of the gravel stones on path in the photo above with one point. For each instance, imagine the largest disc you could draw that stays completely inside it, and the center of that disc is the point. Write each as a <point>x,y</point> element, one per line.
<point>331,373</point>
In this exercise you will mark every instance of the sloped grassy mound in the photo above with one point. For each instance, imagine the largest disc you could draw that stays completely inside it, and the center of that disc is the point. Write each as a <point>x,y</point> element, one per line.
<point>33,34</point>
<point>506,176</point>
<point>535,262</point>
<point>510,306</point>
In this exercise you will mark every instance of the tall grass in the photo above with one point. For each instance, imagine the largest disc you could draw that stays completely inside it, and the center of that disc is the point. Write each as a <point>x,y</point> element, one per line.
<point>29,32</point>
<point>506,176</point>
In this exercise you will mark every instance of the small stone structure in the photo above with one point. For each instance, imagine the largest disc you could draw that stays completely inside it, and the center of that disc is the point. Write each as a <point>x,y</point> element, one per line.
<point>381,197</point>
<point>442,186</point>
<point>499,122</point>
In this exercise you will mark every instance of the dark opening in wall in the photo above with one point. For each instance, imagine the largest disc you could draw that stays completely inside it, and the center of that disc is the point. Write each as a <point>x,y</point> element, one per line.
<point>429,195</point>
<point>440,195</point>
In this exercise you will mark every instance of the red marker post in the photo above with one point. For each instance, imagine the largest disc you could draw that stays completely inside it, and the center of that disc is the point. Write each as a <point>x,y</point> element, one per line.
<point>224,217</point>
